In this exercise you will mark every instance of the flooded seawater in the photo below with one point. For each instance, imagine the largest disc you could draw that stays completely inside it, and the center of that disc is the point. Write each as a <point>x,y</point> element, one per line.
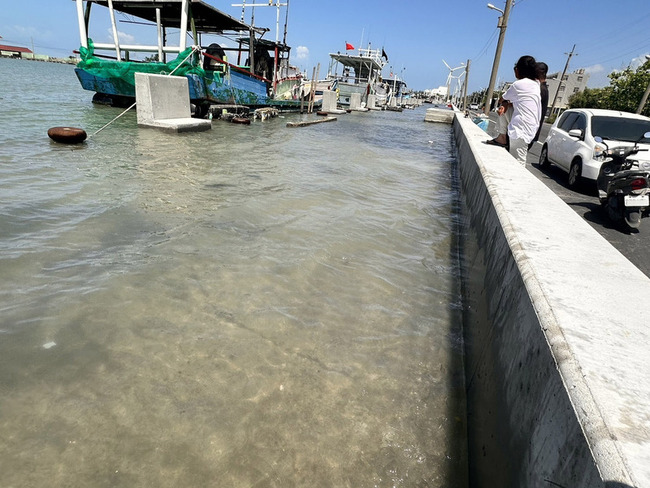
<point>252,306</point>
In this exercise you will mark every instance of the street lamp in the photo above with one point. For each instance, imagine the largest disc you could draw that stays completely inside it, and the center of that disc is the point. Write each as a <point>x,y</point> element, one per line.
<point>645,95</point>
<point>502,25</point>
<point>489,5</point>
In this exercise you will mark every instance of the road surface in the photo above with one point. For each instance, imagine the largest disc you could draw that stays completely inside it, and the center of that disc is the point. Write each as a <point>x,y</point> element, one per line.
<point>584,201</point>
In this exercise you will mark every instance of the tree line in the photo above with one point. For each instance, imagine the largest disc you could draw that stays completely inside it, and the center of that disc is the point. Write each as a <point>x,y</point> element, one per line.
<point>625,91</point>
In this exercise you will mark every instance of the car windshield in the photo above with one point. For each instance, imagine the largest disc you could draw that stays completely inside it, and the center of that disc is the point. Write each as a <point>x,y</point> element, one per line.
<point>620,128</point>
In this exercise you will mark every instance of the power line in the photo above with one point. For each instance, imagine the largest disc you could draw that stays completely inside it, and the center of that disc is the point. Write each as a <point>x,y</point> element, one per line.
<point>489,42</point>
<point>616,44</point>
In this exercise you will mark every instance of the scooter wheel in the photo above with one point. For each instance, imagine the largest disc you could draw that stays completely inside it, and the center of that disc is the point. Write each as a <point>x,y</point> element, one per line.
<point>633,218</point>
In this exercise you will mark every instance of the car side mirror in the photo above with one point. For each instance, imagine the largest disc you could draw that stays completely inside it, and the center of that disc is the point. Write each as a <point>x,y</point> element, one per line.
<point>576,133</point>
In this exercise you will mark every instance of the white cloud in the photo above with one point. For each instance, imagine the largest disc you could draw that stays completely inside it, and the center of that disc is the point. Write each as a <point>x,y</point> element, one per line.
<point>124,38</point>
<point>598,72</point>
<point>597,76</point>
<point>595,69</point>
<point>302,52</point>
<point>636,62</point>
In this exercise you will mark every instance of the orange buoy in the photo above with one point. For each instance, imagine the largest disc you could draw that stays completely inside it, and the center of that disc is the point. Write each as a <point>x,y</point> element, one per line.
<point>67,135</point>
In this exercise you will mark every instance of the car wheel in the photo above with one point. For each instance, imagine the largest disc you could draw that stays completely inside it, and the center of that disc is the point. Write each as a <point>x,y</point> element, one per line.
<point>574,173</point>
<point>543,157</point>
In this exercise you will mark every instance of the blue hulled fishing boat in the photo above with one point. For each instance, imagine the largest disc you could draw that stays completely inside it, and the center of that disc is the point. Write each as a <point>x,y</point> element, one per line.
<point>226,61</point>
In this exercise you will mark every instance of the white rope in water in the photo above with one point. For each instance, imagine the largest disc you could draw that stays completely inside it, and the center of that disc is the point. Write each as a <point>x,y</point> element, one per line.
<point>194,49</point>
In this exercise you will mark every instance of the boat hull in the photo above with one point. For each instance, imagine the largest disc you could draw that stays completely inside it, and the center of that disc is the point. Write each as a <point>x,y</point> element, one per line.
<point>212,88</point>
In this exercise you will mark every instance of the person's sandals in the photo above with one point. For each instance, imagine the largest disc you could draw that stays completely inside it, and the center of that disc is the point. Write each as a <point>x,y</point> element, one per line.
<point>494,142</point>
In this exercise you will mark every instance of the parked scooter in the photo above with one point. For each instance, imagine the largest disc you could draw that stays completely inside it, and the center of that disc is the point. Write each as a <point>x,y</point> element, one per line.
<point>624,184</point>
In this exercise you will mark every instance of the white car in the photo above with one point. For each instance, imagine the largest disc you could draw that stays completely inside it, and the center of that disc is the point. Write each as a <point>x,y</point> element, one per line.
<point>473,106</point>
<point>571,146</point>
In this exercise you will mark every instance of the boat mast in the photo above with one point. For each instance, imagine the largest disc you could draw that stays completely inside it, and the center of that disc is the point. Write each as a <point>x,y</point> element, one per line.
<point>115,35</point>
<point>243,9</point>
<point>277,30</point>
<point>83,33</point>
<point>183,27</point>
<point>251,36</point>
<point>161,57</point>
<point>286,23</point>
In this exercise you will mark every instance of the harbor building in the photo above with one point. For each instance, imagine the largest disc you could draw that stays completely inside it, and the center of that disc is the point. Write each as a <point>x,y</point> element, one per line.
<point>15,52</point>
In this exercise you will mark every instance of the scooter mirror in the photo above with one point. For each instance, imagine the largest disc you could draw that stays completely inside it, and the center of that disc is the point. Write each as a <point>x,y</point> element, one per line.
<point>598,139</point>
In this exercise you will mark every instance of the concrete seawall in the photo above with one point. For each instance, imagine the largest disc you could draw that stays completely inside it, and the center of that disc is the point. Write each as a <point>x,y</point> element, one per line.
<point>557,334</point>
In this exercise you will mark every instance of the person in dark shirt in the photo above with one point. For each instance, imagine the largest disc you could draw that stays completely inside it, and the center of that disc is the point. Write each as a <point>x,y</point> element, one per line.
<point>541,70</point>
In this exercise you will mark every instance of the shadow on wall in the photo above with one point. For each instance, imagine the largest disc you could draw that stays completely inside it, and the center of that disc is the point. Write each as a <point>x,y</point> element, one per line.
<point>608,484</point>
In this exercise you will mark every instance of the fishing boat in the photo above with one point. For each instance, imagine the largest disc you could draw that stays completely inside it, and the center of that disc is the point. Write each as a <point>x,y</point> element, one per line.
<point>355,73</point>
<point>394,88</point>
<point>255,72</point>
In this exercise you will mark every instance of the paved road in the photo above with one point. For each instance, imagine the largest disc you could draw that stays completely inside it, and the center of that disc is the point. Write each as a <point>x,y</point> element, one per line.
<point>634,245</point>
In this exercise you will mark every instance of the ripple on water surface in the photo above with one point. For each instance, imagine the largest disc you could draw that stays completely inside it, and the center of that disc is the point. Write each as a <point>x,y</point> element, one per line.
<point>249,306</point>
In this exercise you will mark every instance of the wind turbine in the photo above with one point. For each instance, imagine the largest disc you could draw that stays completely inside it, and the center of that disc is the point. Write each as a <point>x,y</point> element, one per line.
<point>451,75</point>
<point>459,86</point>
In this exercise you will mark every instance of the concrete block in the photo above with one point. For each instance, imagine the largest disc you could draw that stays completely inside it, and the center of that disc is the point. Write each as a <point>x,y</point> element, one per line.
<point>329,100</point>
<point>355,101</point>
<point>164,102</point>
<point>372,102</point>
<point>443,115</point>
<point>329,103</point>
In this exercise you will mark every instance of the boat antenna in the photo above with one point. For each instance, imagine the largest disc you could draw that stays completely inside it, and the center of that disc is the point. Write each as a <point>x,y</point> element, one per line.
<point>243,9</point>
<point>286,22</point>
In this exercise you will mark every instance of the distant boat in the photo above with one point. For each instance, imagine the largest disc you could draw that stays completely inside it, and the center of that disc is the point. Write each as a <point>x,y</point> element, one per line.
<point>256,73</point>
<point>396,88</point>
<point>355,73</point>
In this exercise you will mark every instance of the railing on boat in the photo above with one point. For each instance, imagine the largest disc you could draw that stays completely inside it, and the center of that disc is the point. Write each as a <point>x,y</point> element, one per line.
<point>374,54</point>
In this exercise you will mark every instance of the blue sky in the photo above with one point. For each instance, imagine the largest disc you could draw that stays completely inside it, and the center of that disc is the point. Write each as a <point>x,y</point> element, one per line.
<point>416,34</point>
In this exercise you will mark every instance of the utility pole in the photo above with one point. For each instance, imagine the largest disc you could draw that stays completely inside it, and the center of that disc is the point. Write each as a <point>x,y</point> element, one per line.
<point>566,67</point>
<point>465,86</point>
<point>503,24</point>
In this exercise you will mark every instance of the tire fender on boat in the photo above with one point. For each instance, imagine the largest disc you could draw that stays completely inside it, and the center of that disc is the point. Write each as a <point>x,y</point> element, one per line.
<point>67,135</point>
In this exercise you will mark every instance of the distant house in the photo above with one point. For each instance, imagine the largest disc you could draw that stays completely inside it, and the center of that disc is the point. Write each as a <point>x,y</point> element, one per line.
<point>572,83</point>
<point>15,52</point>
<point>439,93</point>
